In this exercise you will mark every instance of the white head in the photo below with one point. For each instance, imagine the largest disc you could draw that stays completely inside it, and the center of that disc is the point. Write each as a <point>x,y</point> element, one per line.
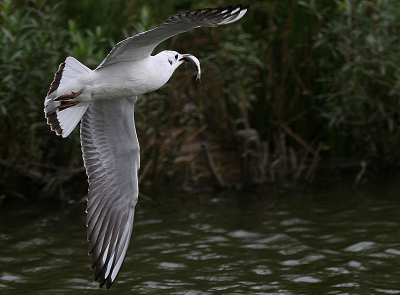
<point>171,60</point>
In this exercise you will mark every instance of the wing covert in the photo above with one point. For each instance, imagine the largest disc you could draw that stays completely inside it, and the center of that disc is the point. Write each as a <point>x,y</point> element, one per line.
<point>143,44</point>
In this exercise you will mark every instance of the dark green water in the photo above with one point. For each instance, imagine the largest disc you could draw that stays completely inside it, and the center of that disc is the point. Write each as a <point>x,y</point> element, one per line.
<point>326,240</point>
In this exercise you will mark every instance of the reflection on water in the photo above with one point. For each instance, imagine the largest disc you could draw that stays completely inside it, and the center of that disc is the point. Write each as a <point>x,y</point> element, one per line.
<point>325,241</point>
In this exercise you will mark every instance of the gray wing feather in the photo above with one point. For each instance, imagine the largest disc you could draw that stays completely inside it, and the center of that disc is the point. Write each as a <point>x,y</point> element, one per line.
<point>143,44</point>
<point>111,156</point>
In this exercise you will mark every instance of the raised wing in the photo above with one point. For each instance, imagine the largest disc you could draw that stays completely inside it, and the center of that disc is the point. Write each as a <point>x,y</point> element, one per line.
<point>111,156</point>
<point>143,44</point>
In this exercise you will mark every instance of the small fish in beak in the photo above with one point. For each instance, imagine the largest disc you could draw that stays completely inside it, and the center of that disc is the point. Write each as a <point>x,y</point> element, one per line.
<point>193,60</point>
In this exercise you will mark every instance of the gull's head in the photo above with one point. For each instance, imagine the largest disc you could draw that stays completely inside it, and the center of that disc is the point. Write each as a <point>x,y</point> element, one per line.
<point>172,60</point>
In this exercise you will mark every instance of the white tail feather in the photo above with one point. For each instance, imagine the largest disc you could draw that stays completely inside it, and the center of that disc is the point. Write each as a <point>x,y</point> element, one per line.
<point>70,117</point>
<point>64,121</point>
<point>73,68</point>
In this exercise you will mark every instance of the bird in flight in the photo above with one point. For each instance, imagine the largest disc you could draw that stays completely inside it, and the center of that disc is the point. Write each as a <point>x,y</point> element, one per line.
<point>103,101</point>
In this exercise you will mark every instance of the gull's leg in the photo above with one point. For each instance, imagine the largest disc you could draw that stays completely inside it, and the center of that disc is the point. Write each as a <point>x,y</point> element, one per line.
<point>66,100</point>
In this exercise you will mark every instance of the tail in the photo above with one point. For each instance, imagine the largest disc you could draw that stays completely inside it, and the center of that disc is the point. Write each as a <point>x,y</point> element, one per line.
<point>62,113</point>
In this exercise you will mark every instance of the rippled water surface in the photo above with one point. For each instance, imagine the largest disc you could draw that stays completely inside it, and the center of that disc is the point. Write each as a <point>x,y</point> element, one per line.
<point>328,240</point>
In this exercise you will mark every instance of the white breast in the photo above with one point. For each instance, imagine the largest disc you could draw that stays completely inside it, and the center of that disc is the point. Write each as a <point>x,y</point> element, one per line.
<point>129,79</point>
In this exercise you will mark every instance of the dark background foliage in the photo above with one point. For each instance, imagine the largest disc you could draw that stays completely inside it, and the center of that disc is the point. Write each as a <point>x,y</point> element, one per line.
<point>318,80</point>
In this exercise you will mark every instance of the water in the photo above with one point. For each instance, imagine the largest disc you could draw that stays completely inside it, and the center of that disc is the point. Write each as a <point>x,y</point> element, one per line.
<point>328,240</point>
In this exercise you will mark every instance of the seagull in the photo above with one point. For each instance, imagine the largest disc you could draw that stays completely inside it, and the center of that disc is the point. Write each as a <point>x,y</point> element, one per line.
<point>103,101</point>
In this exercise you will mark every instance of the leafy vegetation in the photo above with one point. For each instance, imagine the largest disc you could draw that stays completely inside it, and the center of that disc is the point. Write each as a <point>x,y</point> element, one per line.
<point>309,76</point>
<point>362,104</point>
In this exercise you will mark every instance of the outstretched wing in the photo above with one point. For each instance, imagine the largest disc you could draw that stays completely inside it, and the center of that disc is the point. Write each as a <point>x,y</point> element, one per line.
<point>111,156</point>
<point>142,44</point>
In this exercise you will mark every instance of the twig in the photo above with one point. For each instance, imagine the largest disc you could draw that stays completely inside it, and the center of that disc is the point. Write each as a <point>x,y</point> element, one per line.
<point>361,173</point>
<point>262,166</point>
<point>293,159</point>
<point>283,156</point>
<point>311,171</point>
<point>143,196</point>
<point>145,170</point>
<point>302,165</point>
<point>197,132</point>
<point>379,81</point>
<point>211,165</point>
<point>297,138</point>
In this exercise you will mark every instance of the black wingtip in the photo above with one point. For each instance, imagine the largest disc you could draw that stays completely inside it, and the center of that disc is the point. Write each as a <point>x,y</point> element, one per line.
<point>231,8</point>
<point>204,13</point>
<point>101,284</point>
<point>105,281</point>
<point>109,283</point>
<point>241,7</point>
<point>227,11</point>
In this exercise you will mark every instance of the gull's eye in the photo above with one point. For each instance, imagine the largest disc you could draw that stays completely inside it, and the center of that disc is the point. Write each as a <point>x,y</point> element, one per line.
<point>170,62</point>
<point>176,56</point>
